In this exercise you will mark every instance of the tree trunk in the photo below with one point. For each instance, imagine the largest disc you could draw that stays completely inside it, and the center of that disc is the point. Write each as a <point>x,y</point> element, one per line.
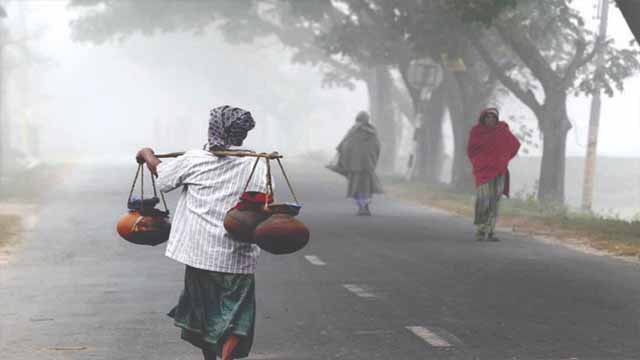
<point>429,142</point>
<point>379,86</point>
<point>462,120</point>
<point>4,125</point>
<point>554,127</point>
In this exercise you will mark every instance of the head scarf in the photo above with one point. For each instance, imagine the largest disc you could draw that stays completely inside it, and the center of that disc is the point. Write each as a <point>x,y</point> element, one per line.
<point>362,117</point>
<point>228,126</point>
<point>488,111</point>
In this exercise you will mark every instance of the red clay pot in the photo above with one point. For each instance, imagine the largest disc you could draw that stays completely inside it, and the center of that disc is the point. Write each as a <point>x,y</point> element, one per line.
<point>281,234</point>
<point>240,224</point>
<point>152,228</point>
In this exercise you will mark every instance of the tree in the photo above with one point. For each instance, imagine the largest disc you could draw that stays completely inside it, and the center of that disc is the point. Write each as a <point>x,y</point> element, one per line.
<point>551,42</point>
<point>375,34</point>
<point>294,23</point>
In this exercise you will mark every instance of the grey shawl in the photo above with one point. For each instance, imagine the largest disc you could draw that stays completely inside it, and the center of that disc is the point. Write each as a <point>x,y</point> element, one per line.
<point>357,158</point>
<point>359,150</point>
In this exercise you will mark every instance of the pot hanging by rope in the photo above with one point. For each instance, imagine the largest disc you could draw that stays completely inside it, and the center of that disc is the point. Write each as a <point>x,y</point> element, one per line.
<point>271,226</point>
<point>241,221</point>
<point>143,224</point>
<point>256,219</point>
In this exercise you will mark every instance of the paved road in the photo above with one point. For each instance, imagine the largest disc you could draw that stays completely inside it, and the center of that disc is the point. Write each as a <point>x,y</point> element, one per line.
<point>407,283</point>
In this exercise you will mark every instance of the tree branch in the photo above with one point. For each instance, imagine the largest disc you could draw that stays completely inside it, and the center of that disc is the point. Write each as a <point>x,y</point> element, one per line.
<point>576,62</point>
<point>308,47</point>
<point>526,96</point>
<point>528,53</point>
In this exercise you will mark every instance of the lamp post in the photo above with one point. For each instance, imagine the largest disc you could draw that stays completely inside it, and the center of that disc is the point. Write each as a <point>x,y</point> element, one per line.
<point>424,75</point>
<point>594,120</point>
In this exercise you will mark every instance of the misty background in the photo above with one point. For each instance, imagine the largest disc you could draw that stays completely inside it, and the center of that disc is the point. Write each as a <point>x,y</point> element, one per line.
<point>70,101</point>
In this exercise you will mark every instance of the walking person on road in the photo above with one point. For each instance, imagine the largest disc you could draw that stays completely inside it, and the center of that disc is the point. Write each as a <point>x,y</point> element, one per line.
<point>491,147</point>
<point>358,155</point>
<point>216,310</point>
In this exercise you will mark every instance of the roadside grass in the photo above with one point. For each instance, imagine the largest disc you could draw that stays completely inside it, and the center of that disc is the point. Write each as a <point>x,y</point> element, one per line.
<point>526,215</point>
<point>9,229</point>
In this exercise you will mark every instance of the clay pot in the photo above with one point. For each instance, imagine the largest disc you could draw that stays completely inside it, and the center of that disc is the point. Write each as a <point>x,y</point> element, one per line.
<point>149,228</point>
<point>241,221</point>
<point>240,224</point>
<point>281,234</point>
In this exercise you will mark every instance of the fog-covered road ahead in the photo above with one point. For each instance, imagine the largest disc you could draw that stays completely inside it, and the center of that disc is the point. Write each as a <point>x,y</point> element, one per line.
<point>407,283</point>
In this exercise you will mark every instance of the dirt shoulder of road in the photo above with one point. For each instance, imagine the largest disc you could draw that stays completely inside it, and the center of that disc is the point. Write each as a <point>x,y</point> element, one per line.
<point>584,232</point>
<point>10,228</point>
<point>21,194</point>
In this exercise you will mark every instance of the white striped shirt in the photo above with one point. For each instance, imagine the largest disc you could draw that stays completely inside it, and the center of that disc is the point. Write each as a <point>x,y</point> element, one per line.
<point>211,186</point>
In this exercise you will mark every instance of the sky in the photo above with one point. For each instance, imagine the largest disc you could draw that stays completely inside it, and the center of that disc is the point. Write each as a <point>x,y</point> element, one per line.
<point>104,101</point>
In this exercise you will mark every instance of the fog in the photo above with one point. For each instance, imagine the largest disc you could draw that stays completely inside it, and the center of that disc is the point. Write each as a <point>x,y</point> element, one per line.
<point>104,102</point>
<point>69,101</point>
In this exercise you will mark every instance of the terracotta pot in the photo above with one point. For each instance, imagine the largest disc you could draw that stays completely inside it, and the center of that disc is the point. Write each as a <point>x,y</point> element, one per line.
<point>240,224</point>
<point>281,234</point>
<point>242,219</point>
<point>149,228</point>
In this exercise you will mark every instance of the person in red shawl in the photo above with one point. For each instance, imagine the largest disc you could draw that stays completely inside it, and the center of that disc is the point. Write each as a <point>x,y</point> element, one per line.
<point>491,147</point>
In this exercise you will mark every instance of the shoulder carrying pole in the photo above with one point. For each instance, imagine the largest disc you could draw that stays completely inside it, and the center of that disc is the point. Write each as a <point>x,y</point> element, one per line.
<point>267,156</point>
<point>271,156</point>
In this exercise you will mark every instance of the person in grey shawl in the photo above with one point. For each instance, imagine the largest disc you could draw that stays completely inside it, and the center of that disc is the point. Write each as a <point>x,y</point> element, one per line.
<point>357,159</point>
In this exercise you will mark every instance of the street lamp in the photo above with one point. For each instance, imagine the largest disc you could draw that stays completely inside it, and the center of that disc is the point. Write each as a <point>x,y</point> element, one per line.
<point>425,75</point>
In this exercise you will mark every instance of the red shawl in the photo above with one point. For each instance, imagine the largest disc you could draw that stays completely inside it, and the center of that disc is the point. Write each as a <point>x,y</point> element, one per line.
<point>490,150</point>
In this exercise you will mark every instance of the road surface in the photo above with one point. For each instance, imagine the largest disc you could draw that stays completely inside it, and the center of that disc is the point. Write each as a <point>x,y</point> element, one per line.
<point>407,283</point>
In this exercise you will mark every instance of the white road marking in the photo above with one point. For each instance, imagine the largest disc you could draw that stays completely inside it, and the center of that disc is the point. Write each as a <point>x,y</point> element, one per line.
<point>270,356</point>
<point>429,336</point>
<point>4,259</point>
<point>68,348</point>
<point>315,260</point>
<point>374,332</point>
<point>359,290</point>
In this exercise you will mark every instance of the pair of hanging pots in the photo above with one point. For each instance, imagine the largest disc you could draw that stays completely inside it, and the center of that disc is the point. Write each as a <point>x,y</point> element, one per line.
<point>273,227</point>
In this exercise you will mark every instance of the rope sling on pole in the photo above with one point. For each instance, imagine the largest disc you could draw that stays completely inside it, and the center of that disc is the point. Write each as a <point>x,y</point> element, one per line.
<point>274,228</point>
<point>267,156</point>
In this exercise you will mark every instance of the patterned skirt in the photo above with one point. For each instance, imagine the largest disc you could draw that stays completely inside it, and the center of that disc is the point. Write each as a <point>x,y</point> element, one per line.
<point>215,305</point>
<point>487,200</point>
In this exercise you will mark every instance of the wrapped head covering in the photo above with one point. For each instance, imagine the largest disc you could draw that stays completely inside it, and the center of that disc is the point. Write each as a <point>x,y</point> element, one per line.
<point>362,117</point>
<point>228,126</point>
<point>487,111</point>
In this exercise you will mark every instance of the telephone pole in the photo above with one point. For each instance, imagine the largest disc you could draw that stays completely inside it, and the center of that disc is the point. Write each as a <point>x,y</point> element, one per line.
<point>596,104</point>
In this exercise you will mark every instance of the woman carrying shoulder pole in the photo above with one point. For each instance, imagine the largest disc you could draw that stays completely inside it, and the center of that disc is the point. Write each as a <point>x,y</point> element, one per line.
<point>217,309</point>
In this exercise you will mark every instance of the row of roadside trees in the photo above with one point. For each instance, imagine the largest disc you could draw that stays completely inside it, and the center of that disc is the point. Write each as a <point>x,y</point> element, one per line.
<point>541,52</point>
